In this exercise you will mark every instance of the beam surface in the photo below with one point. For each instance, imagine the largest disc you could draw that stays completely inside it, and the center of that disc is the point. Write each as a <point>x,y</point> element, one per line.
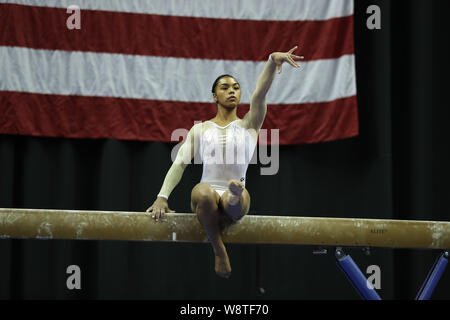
<point>139,226</point>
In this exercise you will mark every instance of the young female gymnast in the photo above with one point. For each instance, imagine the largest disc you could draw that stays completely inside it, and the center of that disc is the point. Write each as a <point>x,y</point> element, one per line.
<point>221,199</point>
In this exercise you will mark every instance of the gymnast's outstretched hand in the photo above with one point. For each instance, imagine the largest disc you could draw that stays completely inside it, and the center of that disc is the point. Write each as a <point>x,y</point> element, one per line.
<point>280,57</point>
<point>159,208</point>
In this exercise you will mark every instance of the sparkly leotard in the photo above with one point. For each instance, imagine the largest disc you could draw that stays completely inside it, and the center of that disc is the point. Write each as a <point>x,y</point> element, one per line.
<point>226,153</point>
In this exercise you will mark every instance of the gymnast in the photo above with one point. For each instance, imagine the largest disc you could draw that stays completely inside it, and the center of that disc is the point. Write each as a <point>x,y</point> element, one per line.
<point>221,199</point>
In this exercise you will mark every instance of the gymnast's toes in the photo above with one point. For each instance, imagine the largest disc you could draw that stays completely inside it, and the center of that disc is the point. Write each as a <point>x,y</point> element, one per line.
<point>236,187</point>
<point>222,267</point>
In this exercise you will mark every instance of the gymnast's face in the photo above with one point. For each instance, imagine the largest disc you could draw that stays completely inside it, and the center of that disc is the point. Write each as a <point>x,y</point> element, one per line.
<point>228,92</point>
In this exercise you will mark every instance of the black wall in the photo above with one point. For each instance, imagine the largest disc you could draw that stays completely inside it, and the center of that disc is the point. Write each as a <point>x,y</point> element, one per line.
<point>397,168</point>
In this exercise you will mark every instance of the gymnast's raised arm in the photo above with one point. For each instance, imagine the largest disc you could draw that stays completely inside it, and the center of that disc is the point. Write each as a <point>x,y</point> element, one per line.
<point>173,176</point>
<point>258,107</point>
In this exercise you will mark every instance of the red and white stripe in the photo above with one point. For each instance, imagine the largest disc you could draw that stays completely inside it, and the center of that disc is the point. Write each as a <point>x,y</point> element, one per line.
<point>140,69</point>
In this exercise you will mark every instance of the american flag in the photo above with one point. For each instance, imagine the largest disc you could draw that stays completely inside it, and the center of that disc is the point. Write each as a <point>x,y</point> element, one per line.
<point>139,69</point>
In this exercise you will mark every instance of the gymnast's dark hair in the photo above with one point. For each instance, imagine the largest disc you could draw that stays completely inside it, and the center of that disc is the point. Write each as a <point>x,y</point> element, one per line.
<point>217,80</point>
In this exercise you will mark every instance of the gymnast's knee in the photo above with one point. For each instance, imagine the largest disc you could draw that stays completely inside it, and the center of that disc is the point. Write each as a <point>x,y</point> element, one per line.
<point>203,196</point>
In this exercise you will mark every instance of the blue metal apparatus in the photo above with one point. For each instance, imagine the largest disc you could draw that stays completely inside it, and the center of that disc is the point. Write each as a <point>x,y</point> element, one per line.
<point>367,292</point>
<point>355,276</point>
<point>433,277</point>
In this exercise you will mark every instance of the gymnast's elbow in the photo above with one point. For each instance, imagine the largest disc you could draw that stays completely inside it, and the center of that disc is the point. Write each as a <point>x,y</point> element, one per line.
<point>180,164</point>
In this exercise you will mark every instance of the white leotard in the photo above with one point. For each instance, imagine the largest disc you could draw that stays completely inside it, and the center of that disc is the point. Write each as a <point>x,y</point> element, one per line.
<point>226,153</point>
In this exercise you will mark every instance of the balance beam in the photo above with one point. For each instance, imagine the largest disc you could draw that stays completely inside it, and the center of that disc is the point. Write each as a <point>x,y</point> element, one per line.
<point>139,226</point>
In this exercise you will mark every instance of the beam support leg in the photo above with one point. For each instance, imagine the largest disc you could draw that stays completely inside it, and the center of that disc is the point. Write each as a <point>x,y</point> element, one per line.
<point>355,276</point>
<point>433,277</point>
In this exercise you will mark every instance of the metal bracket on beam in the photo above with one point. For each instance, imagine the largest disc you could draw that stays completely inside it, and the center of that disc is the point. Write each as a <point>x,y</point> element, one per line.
<point>320,251</point>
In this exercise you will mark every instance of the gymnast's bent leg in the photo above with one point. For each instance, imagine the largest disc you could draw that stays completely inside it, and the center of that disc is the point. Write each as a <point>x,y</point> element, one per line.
<point>235,202</point>
<point>205,203</point>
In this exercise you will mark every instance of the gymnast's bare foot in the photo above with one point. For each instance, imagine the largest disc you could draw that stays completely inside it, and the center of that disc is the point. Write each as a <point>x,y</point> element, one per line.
<point>222,267</point>
<point>222,263</point>
<point>236,188</point>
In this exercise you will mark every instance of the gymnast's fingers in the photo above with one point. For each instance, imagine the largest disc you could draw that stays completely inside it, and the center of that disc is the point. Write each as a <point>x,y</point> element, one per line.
<point>155,214</point>
<point>293,49</point>
<point>297,57</point>
<point>149,209</point>
<point>158,213</point>
<point>292,62</point>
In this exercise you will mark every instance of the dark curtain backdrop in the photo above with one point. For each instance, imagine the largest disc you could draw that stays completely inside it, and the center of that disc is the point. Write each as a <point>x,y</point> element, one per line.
<point>397,168</point>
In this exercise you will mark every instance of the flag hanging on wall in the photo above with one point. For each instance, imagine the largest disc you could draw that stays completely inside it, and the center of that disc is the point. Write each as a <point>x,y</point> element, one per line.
<point>138,70</point>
